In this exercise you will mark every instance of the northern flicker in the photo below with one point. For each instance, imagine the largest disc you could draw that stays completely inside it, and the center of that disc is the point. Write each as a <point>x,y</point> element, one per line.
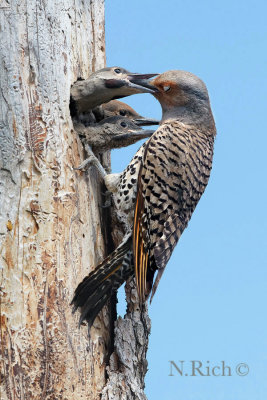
<point>111,133</point>
<point>157,193</point>
<point>116,107</point>
<point>105,85</point>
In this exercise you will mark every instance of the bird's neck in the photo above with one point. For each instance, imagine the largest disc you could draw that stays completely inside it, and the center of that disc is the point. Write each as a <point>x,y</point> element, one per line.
<point>90,94</point>
<point>199,115</point>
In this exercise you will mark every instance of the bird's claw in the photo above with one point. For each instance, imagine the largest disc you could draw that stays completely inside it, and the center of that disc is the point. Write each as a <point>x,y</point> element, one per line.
<point>90,161</point>
<point>84,165</point>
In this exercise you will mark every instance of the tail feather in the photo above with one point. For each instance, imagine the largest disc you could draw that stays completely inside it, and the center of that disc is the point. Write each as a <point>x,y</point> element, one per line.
<point>89,314</point>
<point>93,292</point>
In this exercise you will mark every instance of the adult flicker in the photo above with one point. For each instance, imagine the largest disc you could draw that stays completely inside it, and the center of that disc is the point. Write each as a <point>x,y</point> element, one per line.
<point>157,193</point>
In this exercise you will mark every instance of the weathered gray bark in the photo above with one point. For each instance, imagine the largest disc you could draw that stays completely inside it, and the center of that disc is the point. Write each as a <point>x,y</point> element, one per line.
<point>52,229</point>
<point>128,364</point>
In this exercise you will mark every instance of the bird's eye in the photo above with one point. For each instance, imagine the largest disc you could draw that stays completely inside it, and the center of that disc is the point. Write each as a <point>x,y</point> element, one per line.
<point>123,112</point>
<point>117,70</point>
<point>123,124</point>
<point>166,88</point>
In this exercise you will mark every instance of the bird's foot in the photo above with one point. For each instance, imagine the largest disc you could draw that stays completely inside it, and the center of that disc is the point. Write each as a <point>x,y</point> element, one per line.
<point>84,165</point>
<point>90,161</point>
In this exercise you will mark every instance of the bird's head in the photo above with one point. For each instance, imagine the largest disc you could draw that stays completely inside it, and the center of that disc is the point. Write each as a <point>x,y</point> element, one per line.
<point>124,81</point>
<point>123,131</point>
<point>108,84</point>
<point>183,97</point>
<point>116,107</point>
<point>111,133</point>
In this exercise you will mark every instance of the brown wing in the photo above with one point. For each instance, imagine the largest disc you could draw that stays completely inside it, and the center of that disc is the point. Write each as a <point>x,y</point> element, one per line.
<point>174,174</point>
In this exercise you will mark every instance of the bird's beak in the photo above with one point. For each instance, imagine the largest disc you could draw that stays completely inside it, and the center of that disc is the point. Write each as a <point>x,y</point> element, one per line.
<point>142,121</point>
<point>141,82</point>
<point>134,136</point>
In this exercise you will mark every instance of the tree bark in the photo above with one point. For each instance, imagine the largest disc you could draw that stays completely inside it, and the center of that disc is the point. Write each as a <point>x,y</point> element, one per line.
<point>52,230</point>
<point>128,365</point>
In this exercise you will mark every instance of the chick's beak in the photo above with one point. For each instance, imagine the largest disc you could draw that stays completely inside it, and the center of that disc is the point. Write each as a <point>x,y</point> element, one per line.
<point>141,82</point>
<point>133,135</point>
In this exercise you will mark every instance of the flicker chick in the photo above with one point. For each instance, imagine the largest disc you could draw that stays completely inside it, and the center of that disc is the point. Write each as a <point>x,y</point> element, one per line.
<point>105,85</point>
<point>111,133</point>
<point>116,107</point>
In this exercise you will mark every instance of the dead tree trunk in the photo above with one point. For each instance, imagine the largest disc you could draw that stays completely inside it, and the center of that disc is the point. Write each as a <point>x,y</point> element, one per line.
<point>52,229</point>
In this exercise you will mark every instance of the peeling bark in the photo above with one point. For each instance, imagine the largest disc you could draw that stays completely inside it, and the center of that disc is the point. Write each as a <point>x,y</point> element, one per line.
<point>52,229</point>
<point>128,364</point>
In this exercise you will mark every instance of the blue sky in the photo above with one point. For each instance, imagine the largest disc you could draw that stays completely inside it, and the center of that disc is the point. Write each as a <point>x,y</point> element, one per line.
<point>211,301</point>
